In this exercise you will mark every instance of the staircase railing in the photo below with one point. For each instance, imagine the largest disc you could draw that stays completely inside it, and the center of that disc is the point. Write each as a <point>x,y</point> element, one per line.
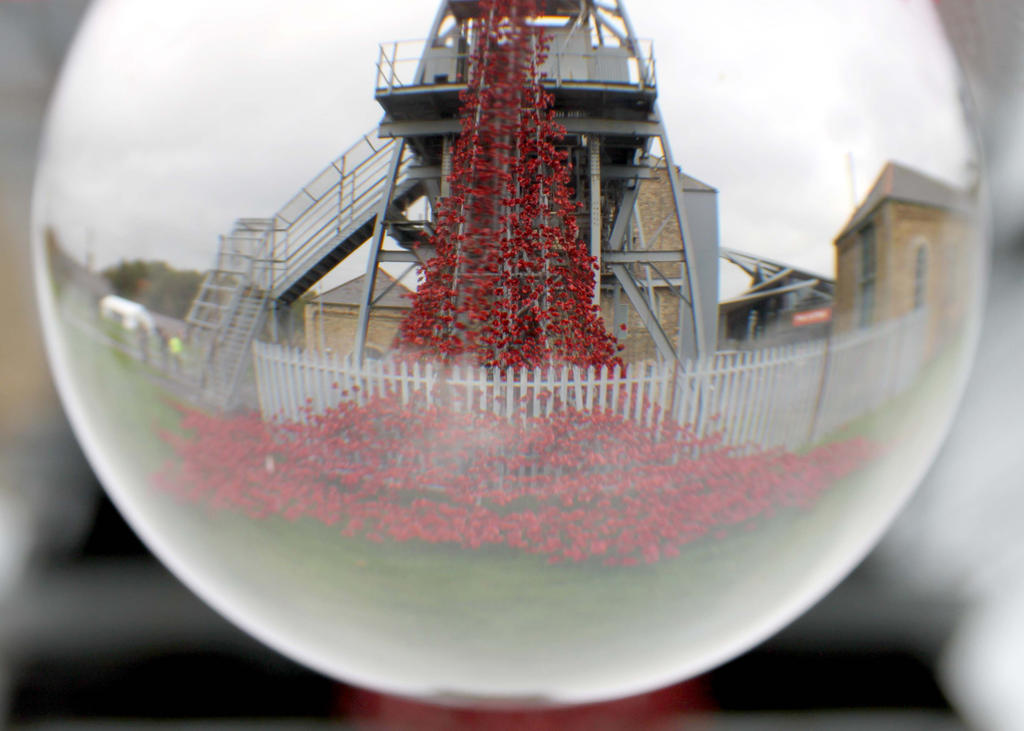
<point>237,341</point>
<point>335,203</point>
<point>261,258</point>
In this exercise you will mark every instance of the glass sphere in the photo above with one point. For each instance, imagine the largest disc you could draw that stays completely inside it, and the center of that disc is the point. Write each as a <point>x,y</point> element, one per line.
<point>514,368</point>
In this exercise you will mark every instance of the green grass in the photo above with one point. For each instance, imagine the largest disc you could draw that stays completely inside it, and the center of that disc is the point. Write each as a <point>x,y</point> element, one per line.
<point>496,601</point>
<point>123,396</point>
<point>126,410</point>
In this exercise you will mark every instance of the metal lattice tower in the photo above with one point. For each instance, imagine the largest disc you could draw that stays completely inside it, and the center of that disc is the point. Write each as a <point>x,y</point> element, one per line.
<point>605,95</point>
<point>603,81</point>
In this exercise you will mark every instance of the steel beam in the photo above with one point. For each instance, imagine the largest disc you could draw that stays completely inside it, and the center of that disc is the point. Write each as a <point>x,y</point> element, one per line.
<point>376,242</point>
<point>627,172</point>
<point>641,257</point>
<point>771,292</point>
<point>446,166</point>
<point>406,257</point>
<point>771,280</point>
<point>610,127</point>
<point>379,226</point>
<point>622,218</point>
<point>423,172</point>
<point>647,316</point>
<point>594,145</point>
<point>394,283</point>
<point>701,339</point>
<point>420,128</point>
<point>573,125</point>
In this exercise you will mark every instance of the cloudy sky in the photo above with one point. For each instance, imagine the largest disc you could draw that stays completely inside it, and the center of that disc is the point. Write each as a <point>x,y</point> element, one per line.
<point>174,119</point>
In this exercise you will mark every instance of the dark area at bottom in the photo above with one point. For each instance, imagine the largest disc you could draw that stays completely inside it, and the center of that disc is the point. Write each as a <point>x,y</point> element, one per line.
<point>236,677</point>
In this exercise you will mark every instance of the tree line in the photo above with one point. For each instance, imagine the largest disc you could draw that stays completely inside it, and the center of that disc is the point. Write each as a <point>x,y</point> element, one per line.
<point>156,285</point>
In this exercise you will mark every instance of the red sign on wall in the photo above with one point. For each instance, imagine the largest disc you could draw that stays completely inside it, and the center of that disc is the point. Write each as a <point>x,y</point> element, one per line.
<point>812,317</point>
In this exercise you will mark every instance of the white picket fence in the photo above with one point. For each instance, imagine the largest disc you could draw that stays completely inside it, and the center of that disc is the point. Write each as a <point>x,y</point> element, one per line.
<point>784,396</point>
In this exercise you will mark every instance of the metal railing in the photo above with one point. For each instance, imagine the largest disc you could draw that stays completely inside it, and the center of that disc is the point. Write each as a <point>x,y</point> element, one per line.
<point>339,200</point>
<point>245,244</point>
<point>398,62</point>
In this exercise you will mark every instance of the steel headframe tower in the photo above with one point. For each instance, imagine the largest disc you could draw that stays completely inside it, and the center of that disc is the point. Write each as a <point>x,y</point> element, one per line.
<point>603,81</point>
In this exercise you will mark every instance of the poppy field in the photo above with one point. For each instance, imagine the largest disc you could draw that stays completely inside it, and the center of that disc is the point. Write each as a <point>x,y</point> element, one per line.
<point>574,486</point>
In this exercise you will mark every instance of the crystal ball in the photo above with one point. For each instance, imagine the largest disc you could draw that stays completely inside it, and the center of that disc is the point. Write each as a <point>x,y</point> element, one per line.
<point>509,365</point>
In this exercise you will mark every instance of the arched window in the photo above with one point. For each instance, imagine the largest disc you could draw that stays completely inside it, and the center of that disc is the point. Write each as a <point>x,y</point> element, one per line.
<point>920,274</point>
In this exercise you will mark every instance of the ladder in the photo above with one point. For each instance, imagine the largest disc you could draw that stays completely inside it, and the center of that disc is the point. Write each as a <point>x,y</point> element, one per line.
<point>228,312</point>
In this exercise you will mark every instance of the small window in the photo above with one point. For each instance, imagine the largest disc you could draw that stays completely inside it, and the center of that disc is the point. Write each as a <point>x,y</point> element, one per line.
<point>920,275</point>
<point>868,275</point>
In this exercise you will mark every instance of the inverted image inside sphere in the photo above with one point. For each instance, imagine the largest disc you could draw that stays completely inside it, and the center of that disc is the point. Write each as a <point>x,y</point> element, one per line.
<point>532,371</point>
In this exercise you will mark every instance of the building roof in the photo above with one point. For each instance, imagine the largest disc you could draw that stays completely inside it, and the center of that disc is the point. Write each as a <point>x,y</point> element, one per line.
<point>902,183</point>
<point>772,278</point>
<point>691,184</point>
<point>756,264</point>
<point>351,293</point>
<point>815,290</point>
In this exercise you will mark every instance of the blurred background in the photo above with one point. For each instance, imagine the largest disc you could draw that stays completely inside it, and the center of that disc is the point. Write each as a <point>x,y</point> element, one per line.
<point>927,633</point>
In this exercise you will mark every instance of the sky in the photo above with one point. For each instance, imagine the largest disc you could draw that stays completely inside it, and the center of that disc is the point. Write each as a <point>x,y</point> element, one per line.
<point>174,119</point>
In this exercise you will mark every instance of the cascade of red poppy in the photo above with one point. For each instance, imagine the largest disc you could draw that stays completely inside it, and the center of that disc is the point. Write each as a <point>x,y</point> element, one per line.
<point>511,283</point>
<point>573,486</point>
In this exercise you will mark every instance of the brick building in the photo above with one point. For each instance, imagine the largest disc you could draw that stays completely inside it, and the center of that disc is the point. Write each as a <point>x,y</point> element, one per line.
<point>332,318</point>
<point>905,247</point>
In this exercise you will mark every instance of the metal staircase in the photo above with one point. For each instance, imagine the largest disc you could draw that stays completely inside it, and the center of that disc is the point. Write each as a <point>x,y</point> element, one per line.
<point>228,312</point>
<point>276,260</point>
<point>227,353</point>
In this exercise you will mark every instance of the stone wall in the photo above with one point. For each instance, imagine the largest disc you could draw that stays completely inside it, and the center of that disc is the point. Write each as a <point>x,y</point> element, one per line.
<point>656,207</point>
<point>340,323</point>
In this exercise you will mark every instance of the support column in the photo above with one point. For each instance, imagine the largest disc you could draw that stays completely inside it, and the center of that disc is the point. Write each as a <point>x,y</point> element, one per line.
<point>642,307</point>
<point>594,145</point>
<point>379,227</point>
<point>446,166</point>
<point>701,344</point>
<point>376,243</point>
<point>623,217</point>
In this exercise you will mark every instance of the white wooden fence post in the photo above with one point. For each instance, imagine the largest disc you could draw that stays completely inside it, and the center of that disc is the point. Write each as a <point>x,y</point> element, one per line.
<point>784,396</point>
